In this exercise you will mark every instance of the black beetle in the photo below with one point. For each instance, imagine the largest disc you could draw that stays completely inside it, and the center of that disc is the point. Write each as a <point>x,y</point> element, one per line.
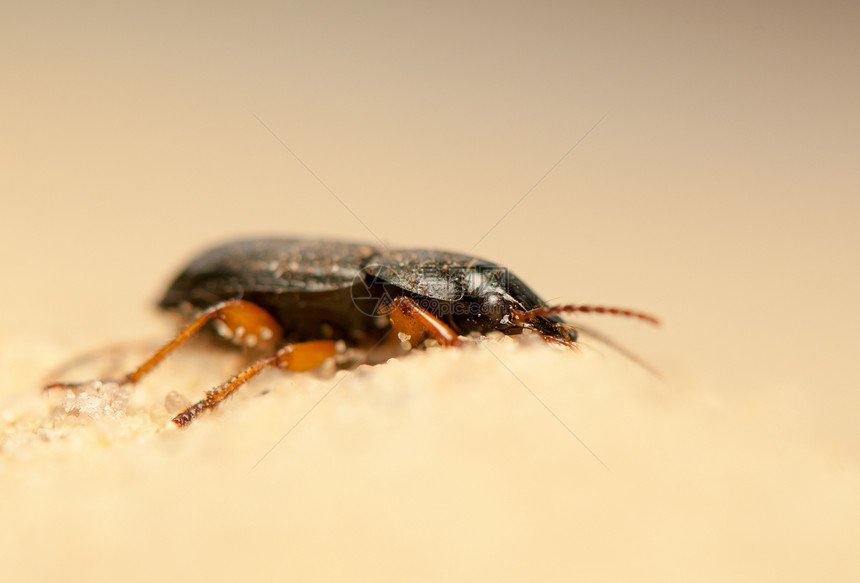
<point>305,300</point>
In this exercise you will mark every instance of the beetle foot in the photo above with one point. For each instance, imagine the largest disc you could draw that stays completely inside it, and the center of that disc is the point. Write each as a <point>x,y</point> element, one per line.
<point>191,412</point>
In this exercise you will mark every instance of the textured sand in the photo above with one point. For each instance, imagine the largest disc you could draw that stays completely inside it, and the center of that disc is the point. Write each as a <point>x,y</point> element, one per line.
<point>501,461</point>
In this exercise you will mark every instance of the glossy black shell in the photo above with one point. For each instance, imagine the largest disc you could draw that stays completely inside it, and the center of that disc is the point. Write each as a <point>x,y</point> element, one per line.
<point>329,289</point>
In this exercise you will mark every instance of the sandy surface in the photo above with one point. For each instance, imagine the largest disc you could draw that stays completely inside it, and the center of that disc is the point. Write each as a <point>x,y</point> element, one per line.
<point>712,181</point>
<point>500,461</point>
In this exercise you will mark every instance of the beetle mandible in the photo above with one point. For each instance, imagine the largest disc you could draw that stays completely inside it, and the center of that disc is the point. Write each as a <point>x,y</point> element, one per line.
<point>304,300</point>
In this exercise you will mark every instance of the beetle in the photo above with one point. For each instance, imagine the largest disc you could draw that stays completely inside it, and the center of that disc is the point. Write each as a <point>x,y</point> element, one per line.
<point>304,301</point>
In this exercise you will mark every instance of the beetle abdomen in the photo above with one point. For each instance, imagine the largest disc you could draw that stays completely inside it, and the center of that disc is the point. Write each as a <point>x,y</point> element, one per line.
<point>276,266</point>
<point>306,285</point>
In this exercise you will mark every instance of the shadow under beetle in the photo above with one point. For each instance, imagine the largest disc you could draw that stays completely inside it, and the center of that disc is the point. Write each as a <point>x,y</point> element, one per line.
<point>304,301</point>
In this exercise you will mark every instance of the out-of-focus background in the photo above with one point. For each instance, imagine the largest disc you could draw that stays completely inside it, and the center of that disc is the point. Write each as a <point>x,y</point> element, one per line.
<point>698,161</point>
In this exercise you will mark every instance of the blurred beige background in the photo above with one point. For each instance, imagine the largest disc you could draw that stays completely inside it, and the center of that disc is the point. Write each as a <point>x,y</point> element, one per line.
<point>714,182</point>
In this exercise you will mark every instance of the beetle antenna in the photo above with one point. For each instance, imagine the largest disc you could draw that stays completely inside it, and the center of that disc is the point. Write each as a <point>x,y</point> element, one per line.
<point>547,310</point>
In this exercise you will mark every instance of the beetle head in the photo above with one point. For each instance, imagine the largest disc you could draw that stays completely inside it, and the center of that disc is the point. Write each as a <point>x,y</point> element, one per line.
<point>501,312</point>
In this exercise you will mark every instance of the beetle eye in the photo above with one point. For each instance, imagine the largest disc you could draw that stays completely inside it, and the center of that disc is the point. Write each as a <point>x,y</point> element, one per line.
<point>494,307</point>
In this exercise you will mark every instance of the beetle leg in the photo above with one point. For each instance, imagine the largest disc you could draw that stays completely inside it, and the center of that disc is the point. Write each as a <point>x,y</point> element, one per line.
<point>250,318</point>
<point>408,318</point>
<point>296,357</point>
